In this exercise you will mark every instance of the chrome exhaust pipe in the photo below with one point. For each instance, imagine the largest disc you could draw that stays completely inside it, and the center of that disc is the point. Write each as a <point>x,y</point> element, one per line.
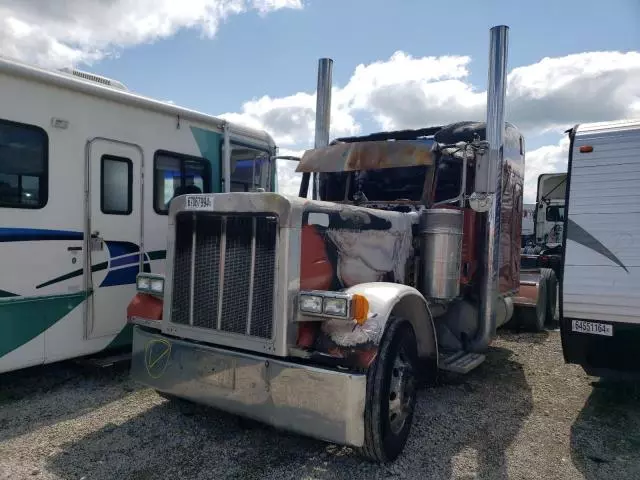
<point>323,112</point>
<point>323,120</point>
<point>487,196</point>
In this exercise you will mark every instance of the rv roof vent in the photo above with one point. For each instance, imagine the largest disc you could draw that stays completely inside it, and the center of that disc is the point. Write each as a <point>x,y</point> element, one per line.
<point>92,77</point>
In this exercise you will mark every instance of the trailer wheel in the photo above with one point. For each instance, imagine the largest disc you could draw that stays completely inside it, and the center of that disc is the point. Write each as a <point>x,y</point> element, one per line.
<point>391,393</point>
<point>535,318</point>
<point>549,277</point>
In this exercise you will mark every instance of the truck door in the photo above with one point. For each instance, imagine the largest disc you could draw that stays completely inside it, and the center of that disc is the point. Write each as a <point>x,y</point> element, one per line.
<point>113,235</point>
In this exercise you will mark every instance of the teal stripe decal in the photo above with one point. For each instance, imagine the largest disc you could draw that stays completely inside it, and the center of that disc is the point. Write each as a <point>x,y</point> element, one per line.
<point>24,318</point>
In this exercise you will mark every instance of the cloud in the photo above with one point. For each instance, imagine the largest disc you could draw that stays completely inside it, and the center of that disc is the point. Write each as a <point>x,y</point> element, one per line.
<point>547,159</point>
<point>66,32</point>
<point>406,92</point>
<point>291,120</point>
<point>288,179</point>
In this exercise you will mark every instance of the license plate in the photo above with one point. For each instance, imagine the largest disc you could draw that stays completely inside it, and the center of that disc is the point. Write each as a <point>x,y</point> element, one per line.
<point>199,202</point>
<point>593,328</point>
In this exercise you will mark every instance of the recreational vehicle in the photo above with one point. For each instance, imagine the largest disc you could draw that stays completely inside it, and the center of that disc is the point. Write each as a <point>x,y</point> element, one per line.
<point>87,174</point>
<point>600,304</point>
<point>321,315</point>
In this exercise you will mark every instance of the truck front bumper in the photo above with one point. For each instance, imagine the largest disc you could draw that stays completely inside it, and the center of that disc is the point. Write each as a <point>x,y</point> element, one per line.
<point>317,402</point>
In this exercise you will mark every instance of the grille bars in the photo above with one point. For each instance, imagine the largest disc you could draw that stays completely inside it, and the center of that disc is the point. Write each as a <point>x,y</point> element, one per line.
<point>223,256</point>
<point>252,270</point>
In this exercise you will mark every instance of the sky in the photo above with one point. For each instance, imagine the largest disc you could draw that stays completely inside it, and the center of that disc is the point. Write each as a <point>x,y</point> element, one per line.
<point>402,64</point>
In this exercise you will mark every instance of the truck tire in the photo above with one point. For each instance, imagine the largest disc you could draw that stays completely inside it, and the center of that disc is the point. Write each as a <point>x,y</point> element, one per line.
<point>549,277</point>
<point>391,393</point>
<point>535,318</point>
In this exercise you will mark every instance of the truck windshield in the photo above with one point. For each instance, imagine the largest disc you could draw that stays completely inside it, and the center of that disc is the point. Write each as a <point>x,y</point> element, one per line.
<point>387,184</point>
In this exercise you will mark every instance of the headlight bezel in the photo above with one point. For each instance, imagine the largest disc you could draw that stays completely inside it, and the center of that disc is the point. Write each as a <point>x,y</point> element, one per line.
<point>150,279</point>
<point>327,298</point>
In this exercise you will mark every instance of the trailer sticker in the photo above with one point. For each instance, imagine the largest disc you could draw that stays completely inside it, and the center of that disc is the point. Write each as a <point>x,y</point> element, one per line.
<point>199,202</point>
<point>593,328</point>
<point>156,356</point>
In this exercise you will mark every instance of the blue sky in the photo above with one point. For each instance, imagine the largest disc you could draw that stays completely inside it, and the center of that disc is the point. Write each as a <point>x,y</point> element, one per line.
<point>224,57</point>
<point>276,54</point>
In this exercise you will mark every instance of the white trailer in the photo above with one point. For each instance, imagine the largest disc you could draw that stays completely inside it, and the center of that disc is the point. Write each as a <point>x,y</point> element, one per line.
<point>87,166</point>
<point>600,304</point>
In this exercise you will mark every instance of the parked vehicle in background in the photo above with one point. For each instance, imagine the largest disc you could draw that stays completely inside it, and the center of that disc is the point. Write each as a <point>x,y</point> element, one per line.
<point>528,224</point>
<point>600,304</point>
<point>87,174</point>
<point>541,259</point>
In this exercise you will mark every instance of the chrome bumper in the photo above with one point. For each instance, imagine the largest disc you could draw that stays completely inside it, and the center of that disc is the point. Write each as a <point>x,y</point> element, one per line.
<point>316,402</point>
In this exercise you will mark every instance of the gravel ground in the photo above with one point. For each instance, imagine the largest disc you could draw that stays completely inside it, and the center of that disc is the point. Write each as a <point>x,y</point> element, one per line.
<point>522,414</point>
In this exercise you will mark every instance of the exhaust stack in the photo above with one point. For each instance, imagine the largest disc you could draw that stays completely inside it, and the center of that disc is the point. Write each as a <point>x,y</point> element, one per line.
<point>488,184</point>
<point>323,120</point>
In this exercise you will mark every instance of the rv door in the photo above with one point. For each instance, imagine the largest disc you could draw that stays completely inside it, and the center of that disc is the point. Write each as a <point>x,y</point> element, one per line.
<point>113,233</point>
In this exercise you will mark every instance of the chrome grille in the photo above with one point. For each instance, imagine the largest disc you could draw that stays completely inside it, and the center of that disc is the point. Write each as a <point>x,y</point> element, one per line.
<point>223,272</point>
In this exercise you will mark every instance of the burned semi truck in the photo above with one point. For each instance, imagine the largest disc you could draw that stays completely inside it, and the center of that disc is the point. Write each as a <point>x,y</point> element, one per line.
<point>324,315</point>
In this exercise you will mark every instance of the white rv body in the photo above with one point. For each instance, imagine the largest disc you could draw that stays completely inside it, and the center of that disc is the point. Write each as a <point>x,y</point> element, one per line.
<point>600,299</point>
<point>86,166</point>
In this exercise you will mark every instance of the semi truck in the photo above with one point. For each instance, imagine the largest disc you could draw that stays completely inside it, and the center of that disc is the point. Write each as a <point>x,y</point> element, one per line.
<point>541,258</point>
<point>324,315</point>
<point>600,305</point>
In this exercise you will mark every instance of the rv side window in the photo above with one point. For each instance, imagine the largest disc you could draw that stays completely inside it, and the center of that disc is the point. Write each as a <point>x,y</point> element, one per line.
<point>23,165</point>
<point>175,174</point>
<point>116,185</point>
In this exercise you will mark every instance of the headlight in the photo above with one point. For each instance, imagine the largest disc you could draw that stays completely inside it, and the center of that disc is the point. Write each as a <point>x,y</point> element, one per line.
<point>150,283</point>
<point>335,306</point>
<point>329,305</point>
<point>157,285</point>
<point>142,283</point>
<point>311,303</point>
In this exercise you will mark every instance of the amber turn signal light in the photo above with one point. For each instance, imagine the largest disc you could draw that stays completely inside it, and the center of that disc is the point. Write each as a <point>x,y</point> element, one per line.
<point>360,308</point>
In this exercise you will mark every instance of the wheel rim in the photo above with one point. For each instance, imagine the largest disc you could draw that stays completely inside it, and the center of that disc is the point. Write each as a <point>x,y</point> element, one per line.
<point>401,391</point>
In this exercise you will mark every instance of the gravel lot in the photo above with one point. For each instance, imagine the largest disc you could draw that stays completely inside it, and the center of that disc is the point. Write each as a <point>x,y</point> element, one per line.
<point>522,414</point>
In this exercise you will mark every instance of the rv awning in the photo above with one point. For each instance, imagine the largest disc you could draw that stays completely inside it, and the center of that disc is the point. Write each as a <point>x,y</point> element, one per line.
<point>347,157</point>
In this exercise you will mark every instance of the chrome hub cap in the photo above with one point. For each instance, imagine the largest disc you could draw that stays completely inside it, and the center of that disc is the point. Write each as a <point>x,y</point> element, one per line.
<point>401,391</point>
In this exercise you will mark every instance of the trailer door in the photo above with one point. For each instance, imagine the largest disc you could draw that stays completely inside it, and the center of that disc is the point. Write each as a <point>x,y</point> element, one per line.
<point>113,233</point>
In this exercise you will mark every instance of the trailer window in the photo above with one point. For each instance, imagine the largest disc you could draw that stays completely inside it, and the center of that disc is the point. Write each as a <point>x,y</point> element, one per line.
<point>23,165</point>
<point>116,185</point>
<point>175,174</point>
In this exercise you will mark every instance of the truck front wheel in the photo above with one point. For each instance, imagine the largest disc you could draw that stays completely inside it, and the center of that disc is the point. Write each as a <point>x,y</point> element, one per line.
<point>391,393</point>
